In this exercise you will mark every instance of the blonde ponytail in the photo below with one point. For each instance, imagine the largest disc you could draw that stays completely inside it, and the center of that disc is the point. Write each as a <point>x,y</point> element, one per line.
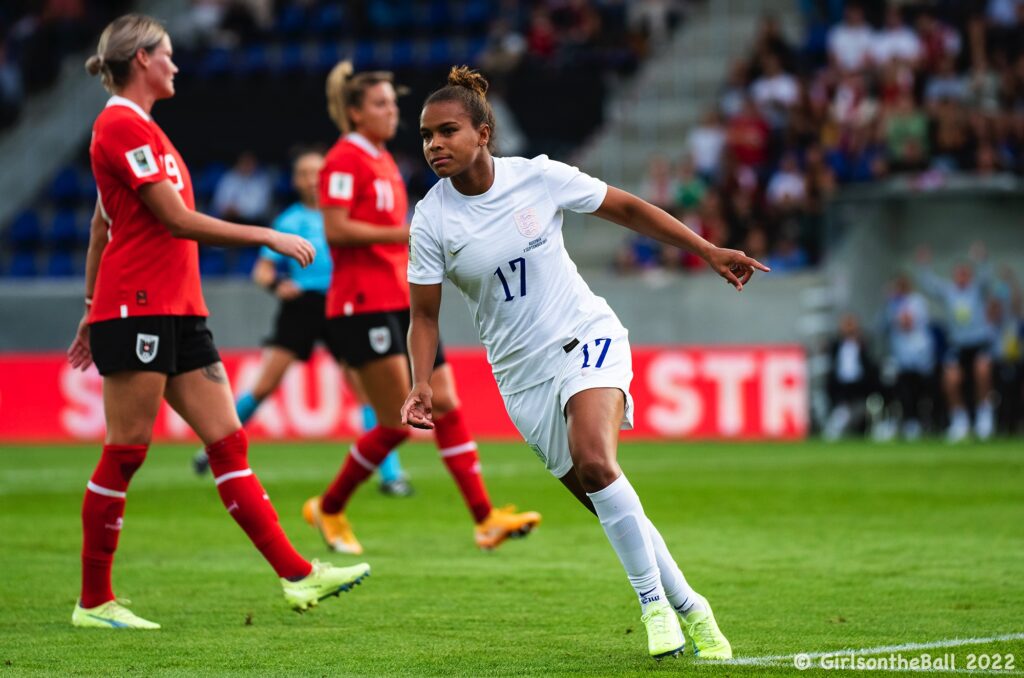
<point>119,43</point>
<point>346,89</point>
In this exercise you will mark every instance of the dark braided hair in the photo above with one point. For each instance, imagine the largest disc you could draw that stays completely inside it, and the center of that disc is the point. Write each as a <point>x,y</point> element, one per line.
<point>469,88</point>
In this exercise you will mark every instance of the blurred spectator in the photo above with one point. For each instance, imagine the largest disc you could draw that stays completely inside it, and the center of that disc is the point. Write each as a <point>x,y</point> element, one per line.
<point>787,189</point>
<point>734,90</point>
<point>244,192</point>
<point>852,378</point>
<point>770,40</point>
<point>912,352</point>
<point>12,92</point>
<point>968,359</point>
<point>1006,316</point>
<point>661,186</point>
<point>748,136</point>
<point>541,38</point>
<point>905,129</point>
<point>690,187</point>
<point>788,256</point>
<point>896,41</point>
<point>505,48</point>
<point>704,143</point>
<point>850,42</point>
<point>653,19</point>
<point>775,92</point>
<point>946,84</point>
<point>939,40</point>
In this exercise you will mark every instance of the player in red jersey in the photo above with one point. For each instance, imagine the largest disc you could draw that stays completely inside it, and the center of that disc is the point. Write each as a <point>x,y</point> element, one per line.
<point>145,326</point>
<point>363,199</point>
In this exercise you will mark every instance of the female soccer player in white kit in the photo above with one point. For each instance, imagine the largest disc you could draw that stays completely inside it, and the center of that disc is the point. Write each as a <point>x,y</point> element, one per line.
<point>560,356</point>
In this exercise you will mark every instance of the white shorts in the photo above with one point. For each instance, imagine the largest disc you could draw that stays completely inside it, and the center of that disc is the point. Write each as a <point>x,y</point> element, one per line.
<point>599,361</point>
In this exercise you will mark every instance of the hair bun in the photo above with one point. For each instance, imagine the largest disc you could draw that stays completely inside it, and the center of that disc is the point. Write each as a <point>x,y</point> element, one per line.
<point>94,64</point>
<point>464,76</point>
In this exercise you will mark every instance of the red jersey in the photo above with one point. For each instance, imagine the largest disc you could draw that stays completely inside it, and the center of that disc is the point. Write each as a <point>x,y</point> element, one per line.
<point>144,269</point>
<point>365,180</point>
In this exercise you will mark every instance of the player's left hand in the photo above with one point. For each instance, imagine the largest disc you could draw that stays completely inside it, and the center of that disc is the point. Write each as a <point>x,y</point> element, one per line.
<point>80,353</point>
<point>735,266</point>
<point>417,410</point>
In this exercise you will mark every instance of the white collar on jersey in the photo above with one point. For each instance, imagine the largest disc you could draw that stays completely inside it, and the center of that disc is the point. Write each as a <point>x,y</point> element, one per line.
<point>363,143</point>
<point>123,101</point>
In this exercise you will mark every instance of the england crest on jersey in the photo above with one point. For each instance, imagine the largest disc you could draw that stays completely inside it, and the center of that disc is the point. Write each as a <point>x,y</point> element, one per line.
<point>380,339</point>
<point>146,346</point>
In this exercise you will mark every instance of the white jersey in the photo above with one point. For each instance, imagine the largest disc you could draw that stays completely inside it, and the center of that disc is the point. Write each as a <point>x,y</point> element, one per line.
<point>503,249</point>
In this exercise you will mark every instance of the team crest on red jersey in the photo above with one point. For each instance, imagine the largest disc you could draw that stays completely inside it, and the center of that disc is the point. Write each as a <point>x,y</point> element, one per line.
<point>380,339</point>
<point>146,346</point>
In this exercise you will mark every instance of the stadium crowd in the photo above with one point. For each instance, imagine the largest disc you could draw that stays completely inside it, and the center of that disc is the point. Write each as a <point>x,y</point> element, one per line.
<point>273,41</point>
<point>34,39</point>
<point>877,88</point>
<point>913,373</point>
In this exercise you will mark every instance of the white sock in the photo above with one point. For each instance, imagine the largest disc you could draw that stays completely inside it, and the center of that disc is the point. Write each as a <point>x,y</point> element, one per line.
<point>678,591</point>
<point>622,517</point>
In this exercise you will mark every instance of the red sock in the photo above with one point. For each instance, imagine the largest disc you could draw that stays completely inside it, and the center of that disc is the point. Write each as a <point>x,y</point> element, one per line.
<point>102,517</point>
<point>460,456</point>
<point>366,454</point>
<point>249,505</point>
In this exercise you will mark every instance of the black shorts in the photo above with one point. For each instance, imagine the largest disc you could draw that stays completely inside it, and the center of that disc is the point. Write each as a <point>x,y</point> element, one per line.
<point>300,322</point>
<point>171,344</point>
<point>965,356</point>
<point>360,339</point>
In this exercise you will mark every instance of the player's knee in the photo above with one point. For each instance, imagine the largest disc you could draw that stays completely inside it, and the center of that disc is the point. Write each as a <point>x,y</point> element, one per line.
<point>444,403</point>
<point>129,435</point>
<point>596,471</point>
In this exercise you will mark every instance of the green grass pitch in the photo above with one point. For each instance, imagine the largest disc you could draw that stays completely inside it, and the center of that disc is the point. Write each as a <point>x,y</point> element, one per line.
<point>800,547</point>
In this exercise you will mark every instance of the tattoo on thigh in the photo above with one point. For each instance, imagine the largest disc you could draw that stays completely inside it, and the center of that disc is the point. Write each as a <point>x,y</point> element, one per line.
<point>215,373</point>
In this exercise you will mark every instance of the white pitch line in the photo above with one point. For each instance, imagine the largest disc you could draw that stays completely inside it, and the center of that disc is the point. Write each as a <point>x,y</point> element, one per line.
<point>951,642</point>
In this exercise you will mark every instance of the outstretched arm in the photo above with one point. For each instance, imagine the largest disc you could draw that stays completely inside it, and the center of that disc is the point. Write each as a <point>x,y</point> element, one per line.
<point>164,201</point>
<point>341,230</point>
<point>627,210</point>
<point>423,336</point>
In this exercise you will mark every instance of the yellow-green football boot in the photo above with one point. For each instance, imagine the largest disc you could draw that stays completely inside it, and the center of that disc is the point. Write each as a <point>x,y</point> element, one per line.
<point>708,640</point>
<point>325,580</point>
<point>109,615</point>
<point>664,637</point>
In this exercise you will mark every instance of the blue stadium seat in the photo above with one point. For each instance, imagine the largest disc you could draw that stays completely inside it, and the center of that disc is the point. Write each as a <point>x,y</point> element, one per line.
<point>216,62</point>
<point>207,180</point>
<point>477,12</point>
<point>434,14</point>
<point>327,55</point>
<point>24,232</point>
<point>291,59</point>
<point>329,20</point>
<point>60,264</point>
<point>254,60</point>
<point>440,53</point>
<point>476,48</point>
<point>64,230</point>
<point>365,55</point>
<point>383,17</point>
<point>244,261</point>
<point>65,189</point>
<point>291,21</point>
<point>283,189</point>
<point>401,54</point>
<point>23,265</point>
<point>213,261</point>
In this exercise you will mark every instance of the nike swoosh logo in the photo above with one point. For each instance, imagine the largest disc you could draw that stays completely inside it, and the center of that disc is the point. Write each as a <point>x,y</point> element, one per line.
<point>647,593</point>
<point>455,250</point>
